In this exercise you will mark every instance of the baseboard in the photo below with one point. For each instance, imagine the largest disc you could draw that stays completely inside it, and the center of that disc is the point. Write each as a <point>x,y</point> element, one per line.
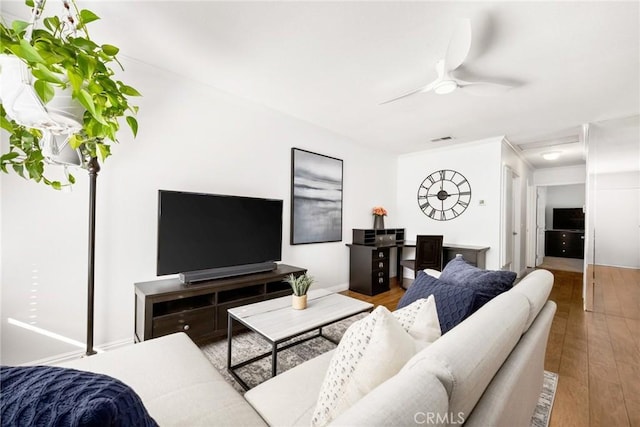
<point>77,354</point>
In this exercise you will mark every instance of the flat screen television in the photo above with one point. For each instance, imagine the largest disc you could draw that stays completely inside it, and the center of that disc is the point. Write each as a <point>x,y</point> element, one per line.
<point>217,235</point>
<point>568,219</point>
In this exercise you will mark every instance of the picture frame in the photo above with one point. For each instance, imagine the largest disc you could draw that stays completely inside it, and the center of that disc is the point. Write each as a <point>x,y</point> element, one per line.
<point>316,198</point>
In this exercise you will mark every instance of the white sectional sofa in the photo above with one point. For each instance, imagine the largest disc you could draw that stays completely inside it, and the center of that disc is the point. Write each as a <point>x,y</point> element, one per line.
<point>486,371</point>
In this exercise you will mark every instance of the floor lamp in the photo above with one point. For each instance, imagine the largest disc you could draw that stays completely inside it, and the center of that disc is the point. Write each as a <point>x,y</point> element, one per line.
<point>93,167</point>
<point>58,151</point>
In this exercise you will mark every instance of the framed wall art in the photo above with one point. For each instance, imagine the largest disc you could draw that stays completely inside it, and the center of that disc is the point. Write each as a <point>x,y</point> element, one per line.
<point>316,198</point>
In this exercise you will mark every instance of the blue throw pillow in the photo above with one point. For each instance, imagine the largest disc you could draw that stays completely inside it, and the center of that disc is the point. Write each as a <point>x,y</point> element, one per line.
<point>490,282</point>
<point>453,303</point>
<point>53,396</point>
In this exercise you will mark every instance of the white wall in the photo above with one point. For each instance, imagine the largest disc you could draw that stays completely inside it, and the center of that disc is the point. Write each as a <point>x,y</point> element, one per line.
<point>192,137</point>
<point>480,163</point>
<point>563,196</point>
<point>560,176</point>
<point>613,203</point>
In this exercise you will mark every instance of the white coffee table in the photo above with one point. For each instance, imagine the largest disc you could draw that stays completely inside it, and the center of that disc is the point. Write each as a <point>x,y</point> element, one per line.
<point>276,322</point>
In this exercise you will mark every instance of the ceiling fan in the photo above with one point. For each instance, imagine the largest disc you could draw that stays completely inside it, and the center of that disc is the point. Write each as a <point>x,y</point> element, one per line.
<point>456,54</point>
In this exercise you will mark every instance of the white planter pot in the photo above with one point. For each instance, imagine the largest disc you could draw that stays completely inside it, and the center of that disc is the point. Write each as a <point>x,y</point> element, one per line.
<point>63,115</point>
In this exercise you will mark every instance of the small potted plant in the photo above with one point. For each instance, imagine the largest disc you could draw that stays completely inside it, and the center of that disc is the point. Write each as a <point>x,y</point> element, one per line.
<point>300,286</point>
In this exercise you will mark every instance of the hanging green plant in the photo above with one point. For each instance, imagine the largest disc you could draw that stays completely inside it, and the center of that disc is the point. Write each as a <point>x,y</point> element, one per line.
<point>63,62</point>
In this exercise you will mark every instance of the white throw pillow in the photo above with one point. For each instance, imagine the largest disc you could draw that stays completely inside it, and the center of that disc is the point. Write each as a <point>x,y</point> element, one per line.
<point>420,320</point>
<point>371,351</point>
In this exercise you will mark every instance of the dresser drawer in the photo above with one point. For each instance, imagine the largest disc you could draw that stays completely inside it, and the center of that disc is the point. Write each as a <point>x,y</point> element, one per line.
<point>380,254</point>
<point>379,282</point>
<point>380,265</point>
<point>561,243</point>
<point>195,323</point>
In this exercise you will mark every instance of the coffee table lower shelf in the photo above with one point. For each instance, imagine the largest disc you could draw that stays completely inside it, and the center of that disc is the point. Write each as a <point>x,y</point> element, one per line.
<point>277,323</point>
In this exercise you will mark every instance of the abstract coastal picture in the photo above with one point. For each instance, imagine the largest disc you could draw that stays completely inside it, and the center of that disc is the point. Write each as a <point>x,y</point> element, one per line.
<point>316,198</point>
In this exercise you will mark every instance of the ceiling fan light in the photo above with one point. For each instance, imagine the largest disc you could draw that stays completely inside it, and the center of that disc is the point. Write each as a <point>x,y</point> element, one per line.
<point>551,155</point>
<point>445,87</point>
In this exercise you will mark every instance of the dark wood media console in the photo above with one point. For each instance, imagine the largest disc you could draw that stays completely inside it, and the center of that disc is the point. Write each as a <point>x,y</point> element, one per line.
<point>166,306</point>
<point>564,243</point>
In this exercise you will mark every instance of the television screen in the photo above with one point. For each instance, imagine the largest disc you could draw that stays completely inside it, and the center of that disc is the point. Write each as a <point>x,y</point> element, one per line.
<point>568,219</point>
<point>206,231</point>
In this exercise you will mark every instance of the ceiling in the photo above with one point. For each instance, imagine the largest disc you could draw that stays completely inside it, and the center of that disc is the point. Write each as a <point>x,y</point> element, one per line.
<point>333,63</point>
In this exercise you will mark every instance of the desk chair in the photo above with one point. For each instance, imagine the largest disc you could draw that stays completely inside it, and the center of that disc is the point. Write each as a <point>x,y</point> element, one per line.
<point>428,254</point>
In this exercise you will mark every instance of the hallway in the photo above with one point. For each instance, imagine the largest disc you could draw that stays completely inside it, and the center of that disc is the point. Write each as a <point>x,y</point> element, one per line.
<point>597,354</point>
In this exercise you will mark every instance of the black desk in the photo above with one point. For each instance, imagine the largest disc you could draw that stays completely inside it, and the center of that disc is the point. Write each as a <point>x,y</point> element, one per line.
<point>474,255</point>
<point>369,265</point>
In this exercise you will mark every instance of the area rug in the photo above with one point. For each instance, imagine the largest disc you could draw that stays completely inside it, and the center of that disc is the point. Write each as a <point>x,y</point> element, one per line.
<point>542,413</point>
<point>248,344</point>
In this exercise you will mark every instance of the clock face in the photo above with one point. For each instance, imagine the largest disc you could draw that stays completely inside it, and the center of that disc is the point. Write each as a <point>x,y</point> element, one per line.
<point>444,195</point>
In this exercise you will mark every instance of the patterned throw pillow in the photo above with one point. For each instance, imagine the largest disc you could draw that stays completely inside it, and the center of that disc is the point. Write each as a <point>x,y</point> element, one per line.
<point>371,351</point>
<point>453,303</point>
<point>492,282</point>
<point>420,320</point>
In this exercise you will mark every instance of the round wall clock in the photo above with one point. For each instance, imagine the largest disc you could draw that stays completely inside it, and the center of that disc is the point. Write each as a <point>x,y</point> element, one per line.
<point>444,195</point>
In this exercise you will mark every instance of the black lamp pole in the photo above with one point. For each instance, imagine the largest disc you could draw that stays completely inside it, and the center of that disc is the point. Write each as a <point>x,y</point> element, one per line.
<point>94,168</point>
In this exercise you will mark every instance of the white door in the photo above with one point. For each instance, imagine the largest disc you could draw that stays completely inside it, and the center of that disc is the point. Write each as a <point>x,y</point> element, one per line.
<point>541,206</point>
<point>531,232</point>
<point>507,219</point>
<point>511,221</point>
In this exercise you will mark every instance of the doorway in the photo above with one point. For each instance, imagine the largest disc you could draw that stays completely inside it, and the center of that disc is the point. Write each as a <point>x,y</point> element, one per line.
<point>548,198</point>
<point>511,220</point>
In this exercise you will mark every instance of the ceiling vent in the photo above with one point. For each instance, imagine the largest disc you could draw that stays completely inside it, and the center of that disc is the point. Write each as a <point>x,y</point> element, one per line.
<point>444,138</point>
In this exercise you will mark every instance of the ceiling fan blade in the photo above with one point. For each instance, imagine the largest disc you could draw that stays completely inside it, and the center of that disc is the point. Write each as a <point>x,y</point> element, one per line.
<point>426,88</point>
<point>483,88</point>
<point>459,45</point>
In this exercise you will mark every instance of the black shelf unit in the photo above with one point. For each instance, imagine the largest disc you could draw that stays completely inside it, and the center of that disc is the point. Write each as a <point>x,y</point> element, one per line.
<point>378,237</point>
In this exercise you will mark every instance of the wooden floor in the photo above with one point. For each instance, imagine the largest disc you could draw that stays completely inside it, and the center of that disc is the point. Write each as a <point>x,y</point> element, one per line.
<point>596,354</point>
<point>564,264</point>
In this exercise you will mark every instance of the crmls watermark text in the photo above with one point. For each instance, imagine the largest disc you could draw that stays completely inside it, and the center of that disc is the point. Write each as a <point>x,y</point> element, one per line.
<point>432,418</point>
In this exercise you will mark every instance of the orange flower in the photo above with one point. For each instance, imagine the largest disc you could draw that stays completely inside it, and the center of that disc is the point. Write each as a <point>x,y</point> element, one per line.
<point>379,211</point>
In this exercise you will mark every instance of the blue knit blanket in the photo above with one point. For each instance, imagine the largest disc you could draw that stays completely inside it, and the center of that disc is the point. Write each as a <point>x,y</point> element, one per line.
<point>53,396</point>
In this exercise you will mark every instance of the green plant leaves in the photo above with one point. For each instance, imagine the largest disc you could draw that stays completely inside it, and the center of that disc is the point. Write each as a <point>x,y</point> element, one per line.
<point>19,26</point>
<point>52,23</point>
<point>87,102</point>
<point>87,16</point>
<point>133,124</point>
<point>110,50</point>
<point>41,72</point>
<point>29,53</point>
<point>128,90</point>
<point>84,44</point>
<point>9,156</point>
<point>44,90</point>
<point>104,151</point>
<point>75,79</point>
<point>77,62</point>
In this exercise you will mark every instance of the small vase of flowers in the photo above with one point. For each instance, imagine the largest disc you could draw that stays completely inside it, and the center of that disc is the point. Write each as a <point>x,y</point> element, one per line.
<point>378,217</point>
<point>300,286</point>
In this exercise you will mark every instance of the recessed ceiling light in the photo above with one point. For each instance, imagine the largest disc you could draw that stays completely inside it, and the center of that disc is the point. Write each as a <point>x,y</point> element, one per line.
<point>445,87</point>
<point>551,155</point>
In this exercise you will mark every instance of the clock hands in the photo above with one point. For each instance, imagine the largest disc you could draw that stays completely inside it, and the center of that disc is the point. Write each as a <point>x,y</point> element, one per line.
<point>462,193</point>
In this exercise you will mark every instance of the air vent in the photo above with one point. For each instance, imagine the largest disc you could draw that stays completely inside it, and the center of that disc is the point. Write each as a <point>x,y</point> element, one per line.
<point>444,138</point>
